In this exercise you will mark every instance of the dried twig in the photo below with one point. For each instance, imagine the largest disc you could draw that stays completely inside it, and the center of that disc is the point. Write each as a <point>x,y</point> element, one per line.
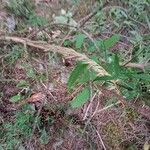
<point>139,66</point>
<point>83,21</point>
<point>47,90</point>
<point>101,140</point>
<point>85,115</point>
<point>109,106</point>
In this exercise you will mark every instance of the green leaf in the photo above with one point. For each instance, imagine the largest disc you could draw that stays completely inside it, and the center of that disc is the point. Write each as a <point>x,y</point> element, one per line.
<point>61,19</point>
<point>108,67</point>
<point>78,70</point>
<point>142,76</point>
<point>81,98</point>
<point>104,78</point>
<point>88,75</point>
<point>131,86</point>
<point>37,20</point>
<point>31,73</point>
<point>1,148</point>
<point>79,40</point>
<point>15,98</point>
<point>95,58</point>
<point>116,65</point>
<point>113,68</point>
<point>22,83</point>
<point>67,43</point>
<point>110,42</point>
<point>75,1</point>
<point>44,139</point>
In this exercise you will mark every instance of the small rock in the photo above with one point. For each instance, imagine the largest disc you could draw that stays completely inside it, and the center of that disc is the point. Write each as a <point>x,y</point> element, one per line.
<point>11,24</point>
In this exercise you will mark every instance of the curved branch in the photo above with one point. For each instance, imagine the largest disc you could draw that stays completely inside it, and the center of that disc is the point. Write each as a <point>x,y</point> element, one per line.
<point>65,52</point>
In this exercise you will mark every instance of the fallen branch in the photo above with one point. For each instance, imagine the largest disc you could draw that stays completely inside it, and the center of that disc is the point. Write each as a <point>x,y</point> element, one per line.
<point>65,52</point>
<point>138,66</point>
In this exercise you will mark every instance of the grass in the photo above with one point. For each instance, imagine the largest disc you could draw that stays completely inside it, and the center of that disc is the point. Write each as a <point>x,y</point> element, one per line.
<point>44,107</point>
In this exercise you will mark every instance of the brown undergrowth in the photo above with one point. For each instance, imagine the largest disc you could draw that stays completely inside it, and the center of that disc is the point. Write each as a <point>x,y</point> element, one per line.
<point>119,126</point>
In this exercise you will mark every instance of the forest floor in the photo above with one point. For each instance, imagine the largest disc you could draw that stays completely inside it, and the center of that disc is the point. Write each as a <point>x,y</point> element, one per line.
<point>35,112</point>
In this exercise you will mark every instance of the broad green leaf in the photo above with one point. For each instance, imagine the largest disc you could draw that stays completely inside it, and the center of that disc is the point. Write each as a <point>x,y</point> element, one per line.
<point>95,58</point>
<point>81,98</point>
<point>113,68</point>
<point>87,76</point>
<point>79,69</point>
<point>108,67</point>
<point>104,78</point>
<point>110,42</point>
<point>79,40</point>
<point>15,98</point>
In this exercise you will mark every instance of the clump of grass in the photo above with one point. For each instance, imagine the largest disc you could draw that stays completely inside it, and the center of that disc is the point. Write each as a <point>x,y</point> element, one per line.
<point>23,8</point>
<point>16,52</point>
<point>15,132</point>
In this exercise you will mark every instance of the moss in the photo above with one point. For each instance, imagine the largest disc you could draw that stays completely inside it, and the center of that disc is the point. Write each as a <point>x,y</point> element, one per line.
<point>114,134</point>
<point>131,114</point>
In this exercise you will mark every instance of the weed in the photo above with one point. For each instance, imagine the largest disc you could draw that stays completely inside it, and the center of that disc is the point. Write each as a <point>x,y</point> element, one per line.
<point>25,10</point>
<point>19,129</point>
<point>21,9</point>
<point>16,52</point>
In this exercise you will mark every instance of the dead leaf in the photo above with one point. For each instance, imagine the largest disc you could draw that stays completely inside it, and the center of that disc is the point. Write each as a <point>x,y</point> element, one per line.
<point>56,33</point>
<point>146,146</point>
<point>37,97</point>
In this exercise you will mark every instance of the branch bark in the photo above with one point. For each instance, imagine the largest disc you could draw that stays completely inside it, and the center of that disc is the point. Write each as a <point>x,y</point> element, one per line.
<point>65,52</point>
